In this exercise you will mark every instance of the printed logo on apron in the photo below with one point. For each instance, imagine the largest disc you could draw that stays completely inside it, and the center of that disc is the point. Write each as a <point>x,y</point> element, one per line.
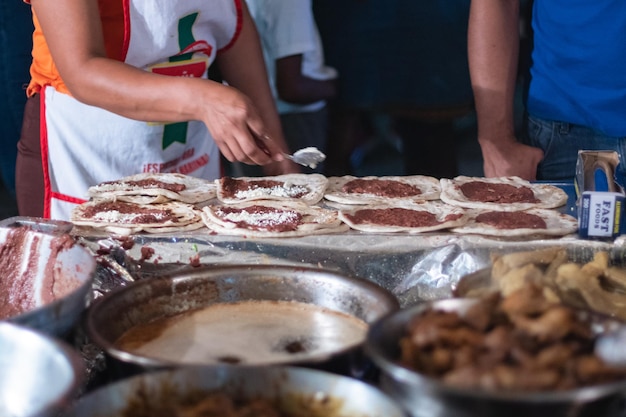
<point>192,61</point>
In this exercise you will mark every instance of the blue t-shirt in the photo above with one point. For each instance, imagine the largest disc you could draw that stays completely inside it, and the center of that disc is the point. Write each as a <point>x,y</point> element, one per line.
<point>578,73</point>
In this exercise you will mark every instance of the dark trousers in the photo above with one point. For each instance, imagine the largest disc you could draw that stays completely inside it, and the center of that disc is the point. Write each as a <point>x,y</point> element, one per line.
<point>29,169</point>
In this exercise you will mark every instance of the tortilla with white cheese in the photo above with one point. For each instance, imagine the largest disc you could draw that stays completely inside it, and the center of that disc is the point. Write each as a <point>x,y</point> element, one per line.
<point>304,188</point>
<point>271,219</point>
<point>149,188</point>
<point>124,218</point>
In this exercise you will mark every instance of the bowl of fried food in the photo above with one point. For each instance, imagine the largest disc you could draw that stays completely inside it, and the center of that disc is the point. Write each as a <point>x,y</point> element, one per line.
<point>229,391</point>
<point>588,279</point>
<point>517,355</point>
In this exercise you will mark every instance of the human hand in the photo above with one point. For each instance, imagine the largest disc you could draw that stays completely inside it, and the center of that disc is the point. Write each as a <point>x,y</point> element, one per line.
<point>508,157</point>
<point>238,129</point>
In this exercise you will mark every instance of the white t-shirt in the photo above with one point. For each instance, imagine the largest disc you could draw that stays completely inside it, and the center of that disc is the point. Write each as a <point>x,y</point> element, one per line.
<point>287,27</point>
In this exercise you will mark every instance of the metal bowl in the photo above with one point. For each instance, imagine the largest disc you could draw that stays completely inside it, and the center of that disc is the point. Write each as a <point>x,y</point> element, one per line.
<point>428,397</point>
<point>147,300</point>
<point>51,272</point>
<point>39,376</point>
<point>328,394</point>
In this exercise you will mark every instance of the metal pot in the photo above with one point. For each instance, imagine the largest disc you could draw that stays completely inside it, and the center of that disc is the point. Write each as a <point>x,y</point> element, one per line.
<point>39,375</point>
<point>428,397</point>
<point>53,271</point>
<point>318,390</point>
<point>149,299</point>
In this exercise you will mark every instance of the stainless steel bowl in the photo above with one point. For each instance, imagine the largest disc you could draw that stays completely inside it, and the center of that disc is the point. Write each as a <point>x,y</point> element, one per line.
<point>329,394</point>
<point>39,375</point>
<point>47,268</point>
<point>149,299</point>
<point>428,397</point>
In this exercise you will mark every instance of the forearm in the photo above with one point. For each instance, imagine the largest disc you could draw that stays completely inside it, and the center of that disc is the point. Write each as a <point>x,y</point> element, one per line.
<point>74,36</point>
<point>243,67</point>
<point>294,87</point>
<point>493,45</point>
<point>304,90</point>
<point>141,95</point>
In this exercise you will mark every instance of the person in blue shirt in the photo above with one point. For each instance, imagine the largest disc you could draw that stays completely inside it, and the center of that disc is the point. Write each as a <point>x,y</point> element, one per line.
<point>576,94</point>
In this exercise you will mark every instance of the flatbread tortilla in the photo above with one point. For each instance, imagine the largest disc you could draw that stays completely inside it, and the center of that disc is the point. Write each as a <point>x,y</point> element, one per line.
<point>124,218</point>
<point>149,188</point>
<point>384,190</point>
<point>518,223</point>
<point>404,218</point>
<point>304,188</point>
<point>500,193</point>
<point>265,218</point>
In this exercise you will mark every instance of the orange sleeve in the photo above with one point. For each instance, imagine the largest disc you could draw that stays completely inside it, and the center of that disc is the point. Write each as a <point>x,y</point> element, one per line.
<point>44,72</point>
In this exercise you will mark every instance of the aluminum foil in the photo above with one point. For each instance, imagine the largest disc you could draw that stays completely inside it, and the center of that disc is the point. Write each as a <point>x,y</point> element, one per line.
<point>413,268</point>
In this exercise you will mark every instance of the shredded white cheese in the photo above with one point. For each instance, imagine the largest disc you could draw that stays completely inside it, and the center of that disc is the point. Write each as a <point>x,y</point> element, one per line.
<point>286,190</point>
<point>115,216</point>
<point>259,220</point>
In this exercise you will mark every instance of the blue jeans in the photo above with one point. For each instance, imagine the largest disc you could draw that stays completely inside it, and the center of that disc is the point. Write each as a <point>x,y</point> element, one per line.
<point>16,31</point>
<point>561,142</point>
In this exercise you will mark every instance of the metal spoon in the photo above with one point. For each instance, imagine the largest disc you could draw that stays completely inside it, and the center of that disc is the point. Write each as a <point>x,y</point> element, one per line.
<point>308,157</point>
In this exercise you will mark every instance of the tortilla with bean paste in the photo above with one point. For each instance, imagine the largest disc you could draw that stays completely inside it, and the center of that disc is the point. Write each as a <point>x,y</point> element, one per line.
<point>407,218</point>
<point>384,190</point>
<point>271,219</point>
<point>150,188</point>
<point>304,188</point>
<point>500,193</point>
<point>541,222</point>
<point>124,218</point>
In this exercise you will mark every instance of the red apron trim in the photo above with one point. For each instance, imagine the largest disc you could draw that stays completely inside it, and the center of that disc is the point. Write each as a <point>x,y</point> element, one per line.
<point>49,194</point>
<point>239,8</point>
<point>67,198</point>
<point>43,141</point>
<point>126,45</point>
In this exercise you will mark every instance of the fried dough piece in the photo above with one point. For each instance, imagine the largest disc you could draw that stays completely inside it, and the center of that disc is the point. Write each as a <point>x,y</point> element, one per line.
<point>560,258</point>
<point>526,301</point>
<point>554,324</point>
<point>616,277</point>
<point>517,278</point>
<point>571,279</point>
<point>598,265</point>
<point>502,264</point>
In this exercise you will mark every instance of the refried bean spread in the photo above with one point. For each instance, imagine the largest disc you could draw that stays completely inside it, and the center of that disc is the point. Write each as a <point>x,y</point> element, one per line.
<point>235,188</point>
<point>150,183</point>
<point>261,218</point>
<point>497,193</point>
<point>396,216</point>
<point>383,188</point>
<point>134,214</point>
<point>19,291</point>
<point>511,220</point>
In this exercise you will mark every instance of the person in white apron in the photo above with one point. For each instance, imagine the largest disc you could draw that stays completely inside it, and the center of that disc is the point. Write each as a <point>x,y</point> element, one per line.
<point>131,95</point>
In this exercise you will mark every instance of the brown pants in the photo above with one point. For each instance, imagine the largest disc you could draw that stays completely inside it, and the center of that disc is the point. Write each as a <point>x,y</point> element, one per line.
<point>29,182</point>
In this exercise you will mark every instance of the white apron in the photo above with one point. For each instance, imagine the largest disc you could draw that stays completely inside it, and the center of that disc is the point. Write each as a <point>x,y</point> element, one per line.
<point>84,145</point>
